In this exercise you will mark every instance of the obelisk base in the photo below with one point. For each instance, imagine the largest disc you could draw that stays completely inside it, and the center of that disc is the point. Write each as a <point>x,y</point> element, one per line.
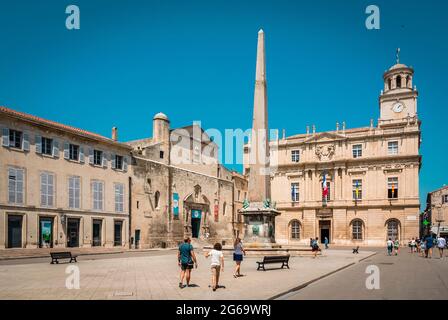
<point>259,225</point>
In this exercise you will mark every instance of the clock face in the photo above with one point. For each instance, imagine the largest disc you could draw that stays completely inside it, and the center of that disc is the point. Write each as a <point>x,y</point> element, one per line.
<point>398,107</point>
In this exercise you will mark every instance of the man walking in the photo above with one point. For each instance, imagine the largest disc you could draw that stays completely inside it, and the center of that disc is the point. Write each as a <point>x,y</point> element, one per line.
<point>186,258</point>
<point>441,243</point>
<point>326,243</point>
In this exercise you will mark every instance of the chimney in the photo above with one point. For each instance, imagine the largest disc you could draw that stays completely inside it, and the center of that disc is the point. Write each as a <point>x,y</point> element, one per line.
<point>307,130</point>
<point>337,126</point>
<point>284,134</point>
<point>115,133</point>
<point>343,126</point>
<point>314,129</point>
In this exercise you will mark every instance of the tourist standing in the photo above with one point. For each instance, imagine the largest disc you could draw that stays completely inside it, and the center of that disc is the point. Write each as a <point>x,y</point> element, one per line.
<point>186,258</point>
<point>326,243</point>
<point>413,245</point>
<point>390,246</point>
<point>441,243</point>
<point>238,252</point>
<point>217,264</point>
<point>396,247</point>
<point>315,246</point>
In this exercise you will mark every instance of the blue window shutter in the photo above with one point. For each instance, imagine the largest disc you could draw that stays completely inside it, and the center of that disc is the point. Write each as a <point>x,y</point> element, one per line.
<point>55,149</point>
<point>81,154</point>
<point>26,142</point>
<point>38,142</point>
<point>5,132</point>
<point>104,159</point>
<point>125,164</point>
<point>66,150</point>
<point>90,156</point>
<point>112,160</point>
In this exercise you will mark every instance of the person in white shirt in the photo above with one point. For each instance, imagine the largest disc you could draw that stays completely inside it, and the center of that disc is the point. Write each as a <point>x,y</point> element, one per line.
<point>217,264</point>
<point>390,246</point>
<point>441,243</point>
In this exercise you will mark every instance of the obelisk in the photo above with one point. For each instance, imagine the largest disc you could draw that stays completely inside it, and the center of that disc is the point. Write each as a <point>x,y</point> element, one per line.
<point>259,211</point>
<point>259,178</point>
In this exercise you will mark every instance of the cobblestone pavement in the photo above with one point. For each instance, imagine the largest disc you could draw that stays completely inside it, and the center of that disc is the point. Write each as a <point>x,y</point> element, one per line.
<point>157,277</point>
<point>406,276</point>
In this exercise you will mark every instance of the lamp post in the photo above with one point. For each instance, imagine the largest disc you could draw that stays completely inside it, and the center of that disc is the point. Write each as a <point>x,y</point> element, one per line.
<point>439,218</point>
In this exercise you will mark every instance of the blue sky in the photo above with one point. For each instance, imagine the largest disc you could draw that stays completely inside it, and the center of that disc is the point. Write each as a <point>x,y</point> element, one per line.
<point>195,60</point>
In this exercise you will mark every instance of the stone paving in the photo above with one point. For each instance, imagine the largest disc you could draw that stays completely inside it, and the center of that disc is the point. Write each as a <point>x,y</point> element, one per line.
<point>157,277</point>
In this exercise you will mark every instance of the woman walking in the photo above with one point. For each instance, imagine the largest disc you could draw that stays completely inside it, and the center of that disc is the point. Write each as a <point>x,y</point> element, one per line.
<point>238,256</point>
<point>397,247</point>
<point>315,247</point>
<point>217,264</point>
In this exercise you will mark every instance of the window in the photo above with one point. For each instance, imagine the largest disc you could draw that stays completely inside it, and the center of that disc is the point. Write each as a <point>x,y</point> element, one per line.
<point>295,155</point>
<point>357,189</point>
<point>294,192</point>
<point>73,152</point>
<point>295,230</point>
<point>357,230</point>
<point>15,139</point>
<point>239,194</point>
<point>119,197</point>
<point>399,82</point>
<point>74,192</point>
<point>392,147</point>
<point>118,162</point>
<point>97,157</point>
<point>445,198</point>
<point>46,146</point>
<point>47,189</point>
<point>327,198</point>
<point>15,185</point>
<point>392,188</point>
<point>392,229</point>
<point>156,199</point>
<point>357,150</point>
<point>224,209</point>
<point>161,154</point>
<point>97,192</point>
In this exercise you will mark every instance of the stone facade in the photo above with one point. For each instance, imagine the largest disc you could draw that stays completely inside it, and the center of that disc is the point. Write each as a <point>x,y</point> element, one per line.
<point>437,210</point>
<point>182,192</point>
<point>47,186</point>
<point>382,162</point>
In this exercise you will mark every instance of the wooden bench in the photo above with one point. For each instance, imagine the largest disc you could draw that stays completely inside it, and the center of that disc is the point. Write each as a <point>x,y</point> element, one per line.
<point>355,250</point>
<point>55,256</point>
<point>284,260</point>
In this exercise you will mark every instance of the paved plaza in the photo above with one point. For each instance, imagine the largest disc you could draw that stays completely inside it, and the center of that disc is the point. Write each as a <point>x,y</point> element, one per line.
<point>155,275</point>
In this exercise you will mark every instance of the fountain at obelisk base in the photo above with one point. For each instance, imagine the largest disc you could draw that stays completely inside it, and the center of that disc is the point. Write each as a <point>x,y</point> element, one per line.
<point>259,211</point>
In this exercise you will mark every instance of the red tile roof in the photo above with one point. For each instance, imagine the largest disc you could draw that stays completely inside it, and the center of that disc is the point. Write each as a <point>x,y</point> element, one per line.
<point>57,125</point>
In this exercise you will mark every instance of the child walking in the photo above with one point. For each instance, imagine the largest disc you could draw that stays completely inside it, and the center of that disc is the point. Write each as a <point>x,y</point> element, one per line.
<point>217,264</point>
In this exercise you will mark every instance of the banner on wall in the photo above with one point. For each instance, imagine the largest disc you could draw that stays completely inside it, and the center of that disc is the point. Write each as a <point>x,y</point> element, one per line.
<point>196,214</point>
<point>176,204</point>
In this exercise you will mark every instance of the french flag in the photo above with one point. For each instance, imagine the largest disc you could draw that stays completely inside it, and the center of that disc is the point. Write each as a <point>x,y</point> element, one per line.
<point>324,185</point>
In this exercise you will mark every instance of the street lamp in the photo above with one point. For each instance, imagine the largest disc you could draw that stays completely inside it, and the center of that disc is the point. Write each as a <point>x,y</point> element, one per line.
<point>439,218</point>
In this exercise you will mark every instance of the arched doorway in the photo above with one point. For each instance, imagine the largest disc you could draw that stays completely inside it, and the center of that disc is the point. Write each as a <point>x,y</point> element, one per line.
<point>393,229</point>
<point>196,208</point>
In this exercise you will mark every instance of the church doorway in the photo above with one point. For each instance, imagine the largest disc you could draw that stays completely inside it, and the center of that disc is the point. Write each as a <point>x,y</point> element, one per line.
<point>196,216</point>
<point>324,228</point>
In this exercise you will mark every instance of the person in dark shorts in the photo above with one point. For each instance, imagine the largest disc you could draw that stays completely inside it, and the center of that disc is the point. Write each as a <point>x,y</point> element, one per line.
<point>238,256</point>
<point>186,259</point>
<point>315,247</point>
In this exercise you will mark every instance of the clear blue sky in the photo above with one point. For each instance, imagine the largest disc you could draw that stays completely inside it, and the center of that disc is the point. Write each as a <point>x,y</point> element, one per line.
<point>195,60</point>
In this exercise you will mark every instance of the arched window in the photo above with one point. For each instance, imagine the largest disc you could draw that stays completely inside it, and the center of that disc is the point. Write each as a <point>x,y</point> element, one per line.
<point>392,229</point>
<point>357,230</point>
<point>398,81</point>
<point>295,230</point>
<point>389,83</point>
<point>156,199</point>
<point>224,209</point>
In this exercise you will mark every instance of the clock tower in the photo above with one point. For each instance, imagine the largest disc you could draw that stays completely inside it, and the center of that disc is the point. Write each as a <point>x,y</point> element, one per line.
<point>398,100</point>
